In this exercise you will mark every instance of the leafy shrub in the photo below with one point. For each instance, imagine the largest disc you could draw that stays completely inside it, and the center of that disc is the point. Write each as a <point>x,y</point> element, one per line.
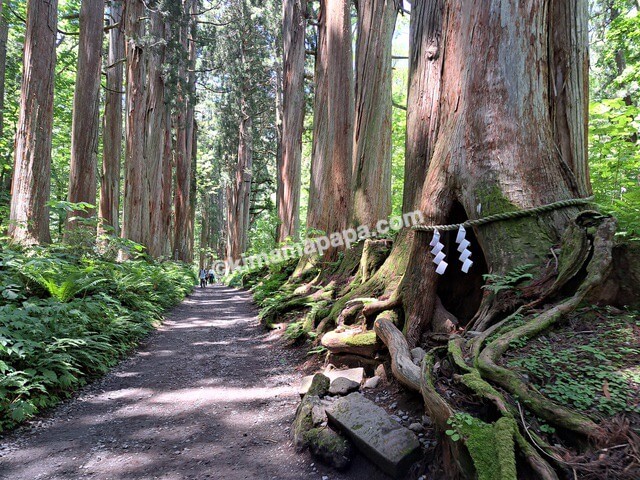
<point>67,318</point>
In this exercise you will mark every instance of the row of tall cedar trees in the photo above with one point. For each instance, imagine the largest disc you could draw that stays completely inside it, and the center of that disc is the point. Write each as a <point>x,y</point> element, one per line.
<point>160,137</point>
<point>496,119</point>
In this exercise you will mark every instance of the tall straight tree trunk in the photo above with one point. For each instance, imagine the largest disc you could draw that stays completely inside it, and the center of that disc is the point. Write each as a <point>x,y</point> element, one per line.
<point>135,201</point>
<point>86,103</point>
<point>373,111</point>
<point>183,157</point>
<point>167,184</point>
<point>29,218</point>
<point>5,175</point>
<point>491,143</point>
<point>112,131</point>
<point>293,109</point>
<point>239,192</point>
<point>4,35</point>
<point>154,153</point>
<point>331,165</point>
<point>192,128</point>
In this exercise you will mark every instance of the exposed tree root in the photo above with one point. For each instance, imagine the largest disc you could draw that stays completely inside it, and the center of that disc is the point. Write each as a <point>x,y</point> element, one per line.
<point>597,271</point>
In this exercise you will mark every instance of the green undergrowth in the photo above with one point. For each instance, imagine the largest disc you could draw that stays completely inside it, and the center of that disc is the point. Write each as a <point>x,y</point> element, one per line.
<point>591,362</point>
<point>68,316</point>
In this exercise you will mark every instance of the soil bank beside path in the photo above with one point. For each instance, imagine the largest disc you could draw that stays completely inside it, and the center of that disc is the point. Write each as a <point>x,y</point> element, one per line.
<point>209,395</point>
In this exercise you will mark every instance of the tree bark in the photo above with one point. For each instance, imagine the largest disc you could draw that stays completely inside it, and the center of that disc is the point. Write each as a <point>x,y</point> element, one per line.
<point>4,35</point>
<point>112,131</point>
<point>5,173</point>
<point>331,164</point>
<point>183,157</point>
<point>293,106</point>
<point>238,194</point>
<point>135,202</point>
<point>86,103</point>
<point>154,141</point>
<point>495,148</point>
<point>373,111</point>
<point>29,218</point>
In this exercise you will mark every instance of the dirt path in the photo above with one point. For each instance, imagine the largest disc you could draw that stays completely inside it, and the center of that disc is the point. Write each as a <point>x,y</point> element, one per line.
<point>210,395</point>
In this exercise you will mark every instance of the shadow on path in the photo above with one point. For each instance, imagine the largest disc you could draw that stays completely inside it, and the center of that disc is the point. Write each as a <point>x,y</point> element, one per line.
<point>209,395</point>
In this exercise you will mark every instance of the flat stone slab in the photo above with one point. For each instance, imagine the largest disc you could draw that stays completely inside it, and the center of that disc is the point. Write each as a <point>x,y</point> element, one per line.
<point>384,441</point>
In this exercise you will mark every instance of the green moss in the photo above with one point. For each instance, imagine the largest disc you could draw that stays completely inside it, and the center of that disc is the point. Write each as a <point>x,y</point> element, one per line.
<point>491,446</point>
<point>362,339</point>
<point>493,200</point>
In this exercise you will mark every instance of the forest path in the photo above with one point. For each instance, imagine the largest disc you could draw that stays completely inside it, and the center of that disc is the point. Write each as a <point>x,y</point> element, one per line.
<point>209,395</point>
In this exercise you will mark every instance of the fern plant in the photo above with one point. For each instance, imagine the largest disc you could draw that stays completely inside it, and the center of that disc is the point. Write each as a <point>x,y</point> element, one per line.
<point>498,283</point>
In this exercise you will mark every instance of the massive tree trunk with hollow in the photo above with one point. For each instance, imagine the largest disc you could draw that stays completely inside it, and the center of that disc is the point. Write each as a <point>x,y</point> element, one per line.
<point>135,210</point>
<point>112,131</point>
<point>490,143</point>
<point>86,103</point>
<point>372,131</point>
<point>29,218</point>
<point>331,164</point>
<point>293,106</point>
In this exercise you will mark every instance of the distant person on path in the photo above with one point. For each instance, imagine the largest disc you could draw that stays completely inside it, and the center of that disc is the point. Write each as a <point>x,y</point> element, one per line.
<point>212,276</point>
<point>203,278</point>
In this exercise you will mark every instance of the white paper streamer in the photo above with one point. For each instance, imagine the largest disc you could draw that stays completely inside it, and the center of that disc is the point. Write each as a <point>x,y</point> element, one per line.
<point>437,249</point>
<point>463,245</point>
<point>466,265</point>
<point>441,267</point>
<point>439,258</point>
<point>435,239</point>
<point>461,234</point>
<point>466,254</point>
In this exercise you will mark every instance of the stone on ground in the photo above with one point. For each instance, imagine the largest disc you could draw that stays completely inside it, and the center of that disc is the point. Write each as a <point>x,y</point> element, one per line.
<point>343,386</point>
<point>385,442</point>
<point>372,382</point>
<point>329,447</point>
<point>332,373</point>
<point>310,409</point>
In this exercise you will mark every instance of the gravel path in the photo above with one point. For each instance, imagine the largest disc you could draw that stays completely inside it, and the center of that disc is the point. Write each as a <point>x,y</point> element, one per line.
<point>209,395</point>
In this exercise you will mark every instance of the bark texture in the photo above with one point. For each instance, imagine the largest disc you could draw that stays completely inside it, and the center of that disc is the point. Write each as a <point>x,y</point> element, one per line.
<point>182,197</point>
<point>495,144</point>
<point>331,164</point>
<point>373,111</point>
<point>135,201</point>
<point>293,105</point>
<point>86,102</point>
<point>154,151</point>
<point>239,191</point>
<point>112,131</point>
<point>4,35</point>
<point>29,218</point>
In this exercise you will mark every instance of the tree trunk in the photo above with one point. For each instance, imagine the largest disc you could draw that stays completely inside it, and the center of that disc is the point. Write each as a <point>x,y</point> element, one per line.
<point>193,190</point>
<point>167,184</point>
<point>493,147</point>
<point>5,174</point>
<point>86,103</point>
<point>183,158</point>
<point>4,35</point>
<point>29,219</point>
<point>154,152</point>
<point>112,132</point>
<point>373,110</point>
<point>331,164</point>
<point>192,138</point>
<point>238,194</point>
<point>293,110</point>
<point>135,202</point>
